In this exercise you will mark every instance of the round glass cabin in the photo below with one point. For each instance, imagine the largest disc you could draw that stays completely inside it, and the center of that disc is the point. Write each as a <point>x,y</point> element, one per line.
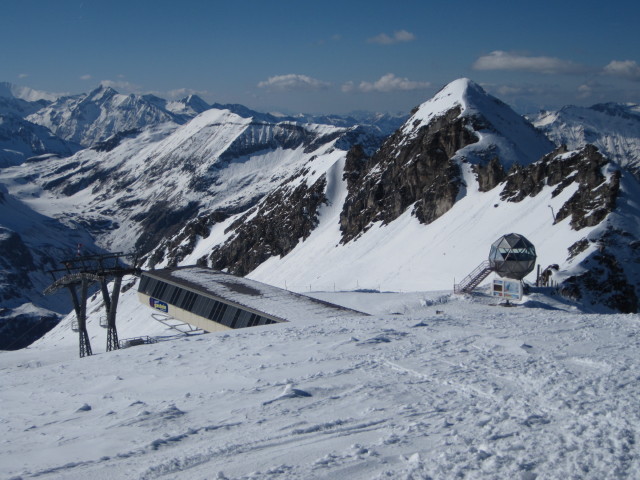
<point>512,256</point>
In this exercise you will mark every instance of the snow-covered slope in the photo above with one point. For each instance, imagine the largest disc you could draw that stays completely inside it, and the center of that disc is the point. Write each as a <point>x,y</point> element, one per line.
<point>430,386</point>
<point>20,140</point>
<point>145,187</point>
<point>94,117</point>
<point>612,127</point>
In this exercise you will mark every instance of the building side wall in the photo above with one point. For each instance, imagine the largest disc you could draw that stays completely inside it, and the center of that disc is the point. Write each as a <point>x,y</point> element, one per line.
<point>197,308</point>
<point>186,317</point>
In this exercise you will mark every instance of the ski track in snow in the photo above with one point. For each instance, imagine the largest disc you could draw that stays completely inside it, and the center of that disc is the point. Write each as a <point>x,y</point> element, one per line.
<point>452,388</point>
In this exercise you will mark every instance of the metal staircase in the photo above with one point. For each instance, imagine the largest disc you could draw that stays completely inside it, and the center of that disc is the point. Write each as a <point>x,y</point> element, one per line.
<point>472,280</point>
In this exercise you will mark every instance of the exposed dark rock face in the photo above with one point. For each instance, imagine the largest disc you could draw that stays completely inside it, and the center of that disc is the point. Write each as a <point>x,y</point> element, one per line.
<point>577,248</point>
<point>286,216</point>
<point>489,175</point>
<point>176,248</point>
<point>603,283</point>
<point>112,142</point>
<point>416,169</point>
<point>161,221</point>
<point>595,197</point>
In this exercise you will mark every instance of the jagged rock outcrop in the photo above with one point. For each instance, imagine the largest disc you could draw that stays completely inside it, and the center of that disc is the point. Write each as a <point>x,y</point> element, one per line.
<point>606,258</point>
<point>175,248</point>
<point>604,281</point>
<point>403,172</point>
<point>489,175</point>
<point>284,218</point>
<point>594,198</point>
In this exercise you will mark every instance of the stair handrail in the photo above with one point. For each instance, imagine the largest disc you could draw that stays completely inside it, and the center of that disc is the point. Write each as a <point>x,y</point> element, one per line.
<point>483,269</point>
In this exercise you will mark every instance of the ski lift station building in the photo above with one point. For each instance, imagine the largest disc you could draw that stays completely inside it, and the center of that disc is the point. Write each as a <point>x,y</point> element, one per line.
<point>214,301</point>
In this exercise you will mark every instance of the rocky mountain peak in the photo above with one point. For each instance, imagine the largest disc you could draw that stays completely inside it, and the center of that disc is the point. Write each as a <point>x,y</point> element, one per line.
<point>501,131</point>
<point>101,93</point>
<point>423,163</point>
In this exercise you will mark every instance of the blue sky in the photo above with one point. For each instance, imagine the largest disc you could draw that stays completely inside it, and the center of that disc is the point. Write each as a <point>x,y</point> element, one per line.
<point>326,56</point>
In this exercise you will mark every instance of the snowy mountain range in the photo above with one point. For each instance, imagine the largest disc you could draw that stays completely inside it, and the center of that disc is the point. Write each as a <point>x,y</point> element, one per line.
<point>333,205</point>
<point>612,127</point>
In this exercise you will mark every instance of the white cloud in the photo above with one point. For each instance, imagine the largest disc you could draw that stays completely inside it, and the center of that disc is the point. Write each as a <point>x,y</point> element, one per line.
<point>348,87</point>
<point>86,77</point>
<point>397,37</point>
<point>501,60</point>
<point>623,68</point>
<point>121,86</point>
<point>23,75</point>
<point>386,83</point>
<point>179,93</point>
<point>585,91</point>
<point>293,81</point>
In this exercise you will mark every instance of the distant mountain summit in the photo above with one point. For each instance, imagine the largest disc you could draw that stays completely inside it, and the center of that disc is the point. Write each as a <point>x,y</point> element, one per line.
<point>499,131</point>
<point>94,117</point>
<point>189,106</point>
<point>9,90</point>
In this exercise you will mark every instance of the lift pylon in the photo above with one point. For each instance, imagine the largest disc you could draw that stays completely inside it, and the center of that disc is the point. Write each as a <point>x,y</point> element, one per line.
<point>82,271</point>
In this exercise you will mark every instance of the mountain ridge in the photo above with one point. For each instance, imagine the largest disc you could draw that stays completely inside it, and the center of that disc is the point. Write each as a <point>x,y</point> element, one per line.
<point>299,203</point>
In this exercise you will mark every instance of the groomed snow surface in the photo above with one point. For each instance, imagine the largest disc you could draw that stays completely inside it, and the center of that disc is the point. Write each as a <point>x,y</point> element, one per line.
<point>431,386</point>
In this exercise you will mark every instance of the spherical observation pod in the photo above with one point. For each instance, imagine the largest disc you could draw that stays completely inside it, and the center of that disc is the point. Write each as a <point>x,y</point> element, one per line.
<point>512,256</point>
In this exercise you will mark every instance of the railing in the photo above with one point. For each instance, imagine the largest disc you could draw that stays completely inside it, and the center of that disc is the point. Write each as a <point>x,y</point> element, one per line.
<point>132,342</point>
<point>472,280</point>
